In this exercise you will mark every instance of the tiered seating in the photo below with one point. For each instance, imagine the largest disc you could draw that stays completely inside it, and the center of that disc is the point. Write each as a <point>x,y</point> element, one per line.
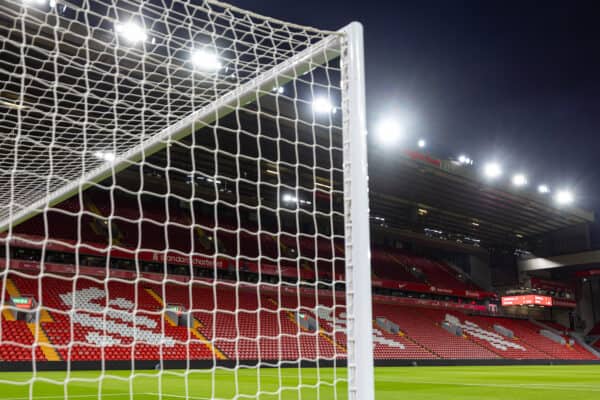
<point>17,341</point>
<point>160,228</point>
<point>158,225</point>
<point>481,330</point>
<point>528,333</point>
<point>408,350</point>
<point>424,327</point>
<point>107,320</point>
<point>437,273</point>
<point>245,323</point>
<point>386,267</point>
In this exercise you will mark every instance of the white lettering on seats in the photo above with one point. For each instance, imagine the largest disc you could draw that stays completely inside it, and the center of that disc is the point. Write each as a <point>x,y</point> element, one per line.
<point>494,339</point>
<point>325,313</point>
<point>118,318</point>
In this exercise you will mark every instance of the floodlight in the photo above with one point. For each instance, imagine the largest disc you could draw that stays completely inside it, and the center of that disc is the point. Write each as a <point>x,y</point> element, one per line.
<point>389,131</point>
<point>564,197</point>
<point>519,180</point>
<point>543,189</point>
<point>421,143</point>
<point>322,105</point>
<point>131,32</point>
<point>492,170</point>
<point>288,198</point>
<point>105,155</point>
<point>206,60</point>
<point>462,159</point>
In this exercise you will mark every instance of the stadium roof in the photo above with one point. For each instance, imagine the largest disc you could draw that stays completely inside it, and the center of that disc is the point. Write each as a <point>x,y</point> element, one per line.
<point>414,189</point>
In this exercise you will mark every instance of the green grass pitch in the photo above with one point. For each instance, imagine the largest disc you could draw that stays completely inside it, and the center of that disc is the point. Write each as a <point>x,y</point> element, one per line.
<point>411,383</point>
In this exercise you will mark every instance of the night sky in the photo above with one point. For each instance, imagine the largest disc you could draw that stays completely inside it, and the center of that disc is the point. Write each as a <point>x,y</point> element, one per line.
<point>514,81</point>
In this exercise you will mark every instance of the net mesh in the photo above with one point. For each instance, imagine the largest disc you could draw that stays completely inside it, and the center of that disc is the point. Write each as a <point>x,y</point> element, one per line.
<point>173,199</point>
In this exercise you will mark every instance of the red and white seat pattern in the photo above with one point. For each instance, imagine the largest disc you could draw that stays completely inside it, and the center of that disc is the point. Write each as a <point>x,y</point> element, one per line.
<point>121,320</point>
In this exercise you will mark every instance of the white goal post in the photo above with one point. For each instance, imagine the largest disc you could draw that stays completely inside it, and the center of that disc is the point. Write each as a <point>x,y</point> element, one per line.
<point>238,103</point>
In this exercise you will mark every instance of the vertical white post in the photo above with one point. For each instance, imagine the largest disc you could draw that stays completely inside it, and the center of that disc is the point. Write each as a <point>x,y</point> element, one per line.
<point>356,203</point>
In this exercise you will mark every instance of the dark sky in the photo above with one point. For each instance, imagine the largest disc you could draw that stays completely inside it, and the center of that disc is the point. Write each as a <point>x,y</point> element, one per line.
<point>517,81</point>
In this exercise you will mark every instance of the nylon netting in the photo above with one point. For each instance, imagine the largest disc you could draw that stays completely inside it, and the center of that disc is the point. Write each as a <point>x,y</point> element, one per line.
<point>172,208</point>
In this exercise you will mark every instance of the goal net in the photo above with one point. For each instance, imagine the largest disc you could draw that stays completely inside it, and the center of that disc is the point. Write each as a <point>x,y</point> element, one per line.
<point>184,206</point>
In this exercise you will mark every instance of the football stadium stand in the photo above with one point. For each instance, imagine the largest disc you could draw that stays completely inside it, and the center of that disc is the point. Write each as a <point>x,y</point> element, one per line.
<point>85,317</point>
<point>125,321</point>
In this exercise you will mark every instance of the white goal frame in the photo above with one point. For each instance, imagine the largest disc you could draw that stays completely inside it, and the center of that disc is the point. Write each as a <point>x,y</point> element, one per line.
<point>348,45</point>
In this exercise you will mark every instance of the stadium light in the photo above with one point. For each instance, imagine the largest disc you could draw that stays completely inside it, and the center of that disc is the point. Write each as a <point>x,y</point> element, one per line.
<point>131,32</point>
<point>289,198</point>
<point>492,170</point>
<point>462,159</point>
<point>422,143</point>
<point>519,180</point>
<point>543,189</point>
<point>105,155</point>
<point>322,105</point>
<point>564,197</point>
<point>206,60</point>
<point>389,131</point>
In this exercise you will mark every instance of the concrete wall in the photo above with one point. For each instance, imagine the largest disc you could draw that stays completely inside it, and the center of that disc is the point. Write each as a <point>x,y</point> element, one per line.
<point>588,307</point>
<point>561,315</point>
<point>480,271</point>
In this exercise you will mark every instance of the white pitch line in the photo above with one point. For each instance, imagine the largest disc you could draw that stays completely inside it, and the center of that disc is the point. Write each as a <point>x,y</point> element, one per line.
<point>178,396</point>
<point>75,396</point>
<point>124,395</point>
<point>583,388</point>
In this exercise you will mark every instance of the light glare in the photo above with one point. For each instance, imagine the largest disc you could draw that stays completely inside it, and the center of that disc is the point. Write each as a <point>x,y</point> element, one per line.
<point>462,159</point>
<point>519,180</point>
<point>105,155</point>
<point>492,170</point>
<point>131,32</point>
<point>322,105</point>
<point>206,60</point>
<point>289,198</point>
<point>389,131</point>
<point>422,143</point>
<point>543,189</point>
<point>564,197</point>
